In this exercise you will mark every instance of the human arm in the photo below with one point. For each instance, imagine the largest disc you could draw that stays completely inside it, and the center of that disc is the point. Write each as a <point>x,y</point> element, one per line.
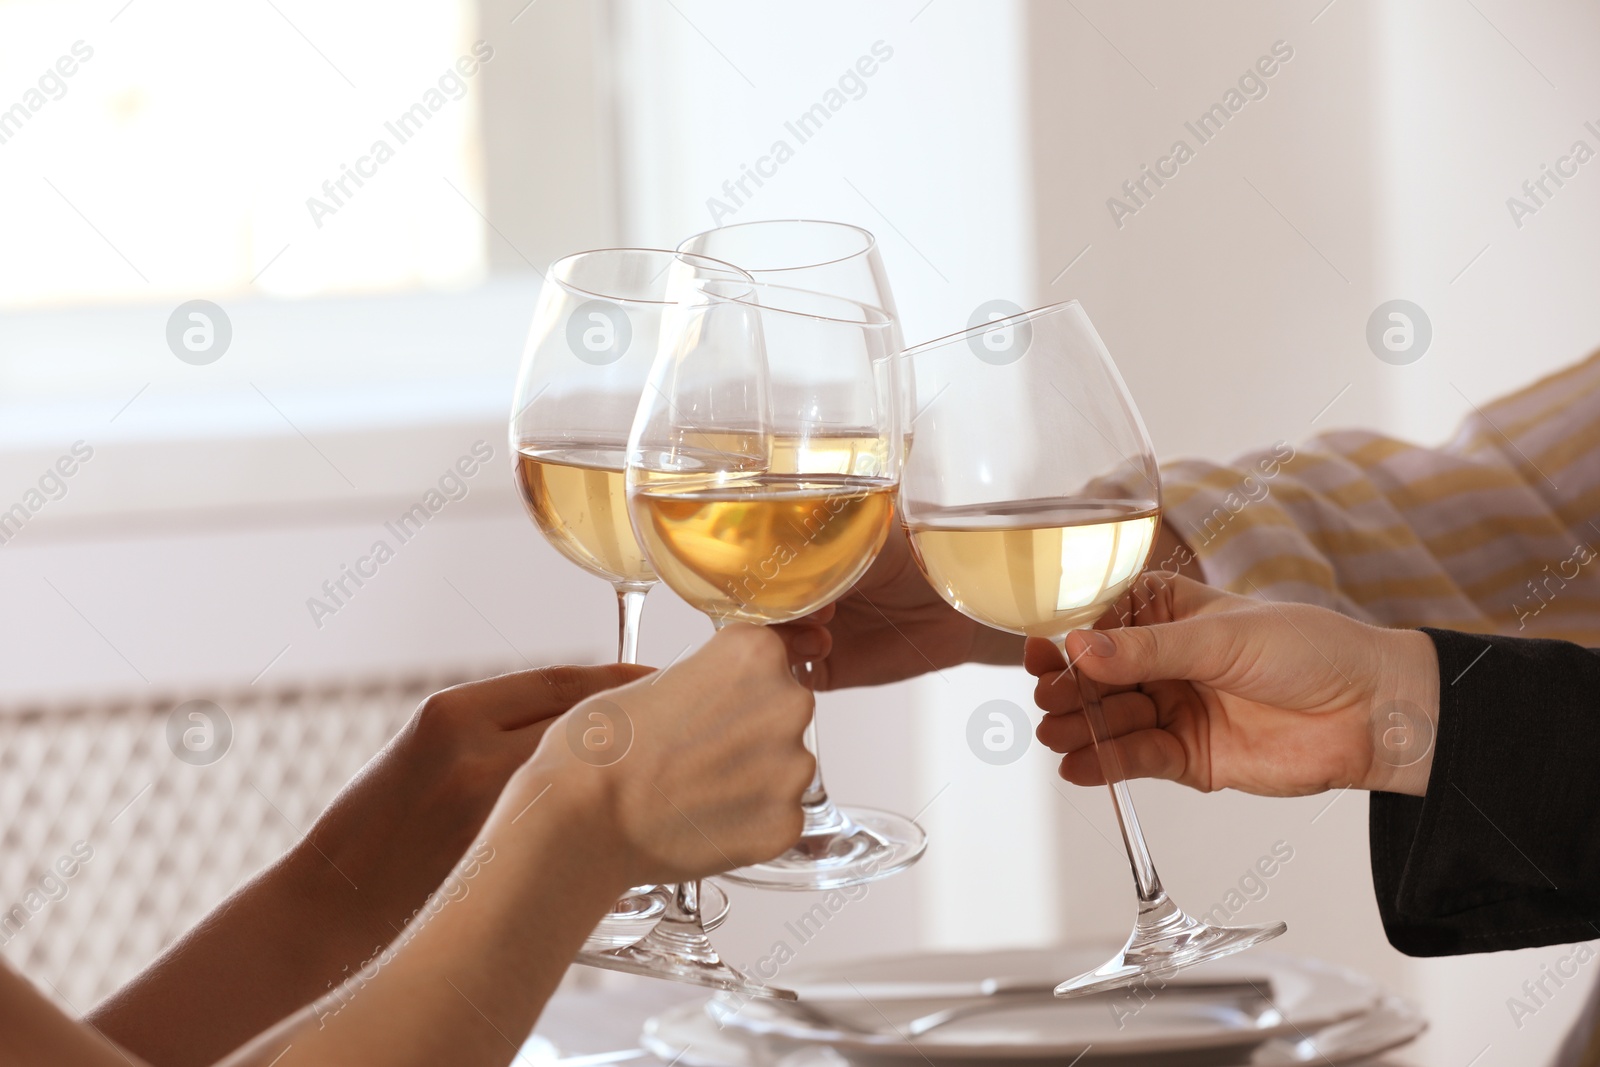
<point>712,778</point>
<point>1485,820</point>
<point>1490,532</point>
<point>1503,851</point>
<point>345,890</point>
<point>1218,691</point>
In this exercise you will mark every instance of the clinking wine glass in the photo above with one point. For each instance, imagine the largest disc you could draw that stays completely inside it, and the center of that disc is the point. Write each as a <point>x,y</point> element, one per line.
<point>841,846</point>
<point>761,478</point>
<point>836,258</point>
<point>589,351</point>
<point>1032,501</point>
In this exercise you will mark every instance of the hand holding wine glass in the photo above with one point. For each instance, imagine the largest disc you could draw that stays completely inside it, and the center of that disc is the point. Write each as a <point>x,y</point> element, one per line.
<point>1032,501</point>
<point>714,762</point>
<point>1217,691</point>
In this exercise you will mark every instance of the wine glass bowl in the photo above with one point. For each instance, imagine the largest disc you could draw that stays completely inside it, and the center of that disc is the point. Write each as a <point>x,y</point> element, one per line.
<point>765,505</point>
<point>1032,501</point>
<point>643,908</point>
<point>836,258</point>
<point>589,351</point>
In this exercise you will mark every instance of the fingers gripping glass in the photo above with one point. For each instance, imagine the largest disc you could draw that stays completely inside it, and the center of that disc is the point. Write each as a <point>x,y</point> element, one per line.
<point>590,348</point>
<point>1032,501</point>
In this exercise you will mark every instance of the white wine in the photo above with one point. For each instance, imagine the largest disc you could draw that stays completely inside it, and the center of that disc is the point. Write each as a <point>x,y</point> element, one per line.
<point>764,548</point>
<point>1040,567</point>
<point>578,497</point>
<point>841,455</point>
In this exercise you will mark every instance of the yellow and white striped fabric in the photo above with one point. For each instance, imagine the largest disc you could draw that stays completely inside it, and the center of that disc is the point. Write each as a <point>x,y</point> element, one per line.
<point>1497,531</point>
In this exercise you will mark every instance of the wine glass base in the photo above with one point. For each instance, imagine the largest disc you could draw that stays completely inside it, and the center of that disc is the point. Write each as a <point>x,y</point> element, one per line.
<point>681,952</point>
<point>637,913</point>
<point>1164,944</point>
<point>865,845</point>
<point>632,917</point>
<point>713,905</point>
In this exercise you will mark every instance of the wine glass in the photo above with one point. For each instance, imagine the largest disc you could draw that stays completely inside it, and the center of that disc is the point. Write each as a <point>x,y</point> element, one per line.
<point>761,477</point>
<point>1032,501</point>
<point>836,258</point>
<point>589,351</point>
<point>840,846</point>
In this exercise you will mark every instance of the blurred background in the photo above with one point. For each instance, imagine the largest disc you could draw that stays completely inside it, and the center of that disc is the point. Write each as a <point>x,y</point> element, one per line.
<point>374,302</point>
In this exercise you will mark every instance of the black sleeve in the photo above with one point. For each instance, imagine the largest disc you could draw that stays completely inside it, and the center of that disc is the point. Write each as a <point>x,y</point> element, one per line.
<point>1504,850</point>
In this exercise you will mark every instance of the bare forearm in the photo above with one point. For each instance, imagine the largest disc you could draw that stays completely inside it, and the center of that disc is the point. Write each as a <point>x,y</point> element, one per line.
<point>467,980</point>
<point>1404,719</point>
<point>306,923</point>
<point>300,936</point>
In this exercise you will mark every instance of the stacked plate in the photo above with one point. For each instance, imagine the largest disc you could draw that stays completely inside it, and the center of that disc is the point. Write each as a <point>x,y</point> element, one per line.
<point>964,1009</point>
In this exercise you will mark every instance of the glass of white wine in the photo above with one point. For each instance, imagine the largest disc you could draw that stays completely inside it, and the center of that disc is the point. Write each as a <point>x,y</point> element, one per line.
<point>840,846</point>
<point>762,473</point>
<point>1032,501</point>
<point>837,258</point>
<point>589,351</point>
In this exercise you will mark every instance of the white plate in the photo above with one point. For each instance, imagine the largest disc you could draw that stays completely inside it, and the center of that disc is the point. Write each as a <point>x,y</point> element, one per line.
<point>1306,995</point>
<point>1392,1024</point>
<point>684,1035</point>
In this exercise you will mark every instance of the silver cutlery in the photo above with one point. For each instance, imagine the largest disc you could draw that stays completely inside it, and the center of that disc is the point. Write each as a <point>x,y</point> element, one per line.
<point>996,994</point>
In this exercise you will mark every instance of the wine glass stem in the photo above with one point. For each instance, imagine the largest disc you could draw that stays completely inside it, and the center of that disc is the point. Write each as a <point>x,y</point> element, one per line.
<point>1144,868</point>
<point>630,606</point>
<point>684,904</point>
<point>680,936</point>
<point>822,816</point>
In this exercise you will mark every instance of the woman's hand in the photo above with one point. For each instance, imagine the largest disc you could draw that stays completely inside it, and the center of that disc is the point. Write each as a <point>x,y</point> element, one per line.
<point>892,626</point>
<point>694,770</point>
<point>369,862</point>
<point>1221,692</point>
<point>400,824</point>
<point>691,772</point>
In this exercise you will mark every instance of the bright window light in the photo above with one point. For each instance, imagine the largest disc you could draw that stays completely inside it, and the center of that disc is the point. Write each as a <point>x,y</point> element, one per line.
<point>191,149</point>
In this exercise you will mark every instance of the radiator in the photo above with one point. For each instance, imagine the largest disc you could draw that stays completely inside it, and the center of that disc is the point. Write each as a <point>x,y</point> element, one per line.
<point>122,822</point>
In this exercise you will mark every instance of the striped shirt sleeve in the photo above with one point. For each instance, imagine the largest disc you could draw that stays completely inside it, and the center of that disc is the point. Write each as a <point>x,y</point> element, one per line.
<point>1497,531</point>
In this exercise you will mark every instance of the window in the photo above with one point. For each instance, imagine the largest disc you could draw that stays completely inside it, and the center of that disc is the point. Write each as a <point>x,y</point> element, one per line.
<point>216,148</point>
<point>366,189</point>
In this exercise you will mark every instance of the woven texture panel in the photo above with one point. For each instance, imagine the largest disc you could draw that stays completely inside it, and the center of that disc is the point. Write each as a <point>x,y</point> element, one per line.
<point>123,823</point>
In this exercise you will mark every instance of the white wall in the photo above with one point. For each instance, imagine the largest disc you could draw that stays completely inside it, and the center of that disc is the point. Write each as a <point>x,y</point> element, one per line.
<point>1469,116</point>
<point>930,158</point>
